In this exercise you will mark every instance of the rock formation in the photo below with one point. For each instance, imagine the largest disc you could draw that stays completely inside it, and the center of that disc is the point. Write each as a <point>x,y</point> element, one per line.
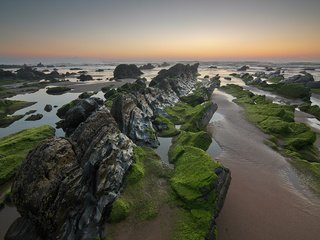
<point>65,186</point>
<point>127,71</point>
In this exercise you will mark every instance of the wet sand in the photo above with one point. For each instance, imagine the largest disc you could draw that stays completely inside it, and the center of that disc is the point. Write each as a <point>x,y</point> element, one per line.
<point>266,200</point>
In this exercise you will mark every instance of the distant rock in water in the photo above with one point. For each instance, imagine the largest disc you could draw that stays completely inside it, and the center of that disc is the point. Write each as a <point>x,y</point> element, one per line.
<point>30,112</point>
<point>269,69</point>
<point>34,117</point>
<point>100,70</point>
<point>48,108</point>
<point>127,71</point>
<point>84,77</point>
<point>164,64</point>
<point>65,187</point>
<point>243,68</point>
<point>213,67</point>
<point>148,66</point>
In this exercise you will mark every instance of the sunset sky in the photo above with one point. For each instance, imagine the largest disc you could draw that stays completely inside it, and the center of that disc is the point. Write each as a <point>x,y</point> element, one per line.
<point>160,30</point>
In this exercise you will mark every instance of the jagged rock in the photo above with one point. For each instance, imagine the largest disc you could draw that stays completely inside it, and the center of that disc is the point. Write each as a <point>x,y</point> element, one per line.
<point>28,73</point>
<point>6,74</point>
<point>213,67</point>
<point>179,78</point>
<point>148,66</point>
<point>126,71</point>
<point>48,108</point>
<point>64,188</point>
<point>133,121</point>
<point>243,68</point>
<point>79,113</point>
<point>256,80</point>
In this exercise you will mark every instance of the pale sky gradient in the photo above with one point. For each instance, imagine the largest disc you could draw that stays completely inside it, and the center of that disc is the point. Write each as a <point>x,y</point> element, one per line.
<point>166,29</point>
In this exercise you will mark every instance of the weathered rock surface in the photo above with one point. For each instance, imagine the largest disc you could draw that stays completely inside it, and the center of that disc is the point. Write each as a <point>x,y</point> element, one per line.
<point>65,186</point>
<point>127,71</point>
<point>79,113</point>
<point>34,117</point>
<point>84,77</point>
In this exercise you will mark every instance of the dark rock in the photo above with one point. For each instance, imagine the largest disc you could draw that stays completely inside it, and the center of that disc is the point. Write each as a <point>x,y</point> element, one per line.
<point>306,78</point>
<point>57,90</point>
<point>148,66</point>
<point>164,64</point>
<point>227,78</point>
<point>126,71</point>
<point>315,84</point>
<point>40,65</point>
<point>100,70</point>
<point>260,74</point>
<point>55,106</point>
<point>75,69</point>
<point>48,108</point>
<point>84,77</point>
<point>34,117</point>
<point>64,188</point>
<point>213,67</point>
<point>86,95</point>
<point>179,78</point>
<point>269,69</point>
<point>309,69</point>
<point>28,73</point>
<point>79,113</point>
<point>243,68</point>
<point>7,74</point>
<point>206,76</point>
<point>30,112</point>
<point>83,72</point>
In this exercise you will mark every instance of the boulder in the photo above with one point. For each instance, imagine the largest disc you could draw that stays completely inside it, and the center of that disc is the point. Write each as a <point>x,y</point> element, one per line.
<point>48,108</point>
<point>64,188</point>
<point>127,71</point>
<point>79,113</point>
<point>34,117</point>
<point>84,77</point>
<point>306,78</point>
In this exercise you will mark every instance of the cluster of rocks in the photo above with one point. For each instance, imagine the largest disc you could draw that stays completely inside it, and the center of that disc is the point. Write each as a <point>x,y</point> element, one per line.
<point>243,68</point>
<point>84,77</point>
<point>65,187</point>
<point>306,79</point>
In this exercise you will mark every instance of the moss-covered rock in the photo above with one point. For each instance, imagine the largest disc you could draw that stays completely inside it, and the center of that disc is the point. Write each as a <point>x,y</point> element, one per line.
<point>119,211</point>
<point>14,148</point>
<point>165,127</point>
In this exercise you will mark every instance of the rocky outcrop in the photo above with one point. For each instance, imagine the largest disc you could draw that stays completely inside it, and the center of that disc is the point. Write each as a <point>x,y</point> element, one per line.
<point>84,77</point>
<point>243,68</point>
<point>148,66</point>
<point>79,113</point>
<point>127,71</point>
<point>65,187</point>
<point>306,78</point>
<point>164,64</point>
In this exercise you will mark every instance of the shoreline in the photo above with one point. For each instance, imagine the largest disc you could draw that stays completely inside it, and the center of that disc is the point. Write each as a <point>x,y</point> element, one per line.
<point>265,192</point>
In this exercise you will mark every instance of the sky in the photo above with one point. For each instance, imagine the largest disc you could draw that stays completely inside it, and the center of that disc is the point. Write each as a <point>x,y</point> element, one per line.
<point>113,30</point>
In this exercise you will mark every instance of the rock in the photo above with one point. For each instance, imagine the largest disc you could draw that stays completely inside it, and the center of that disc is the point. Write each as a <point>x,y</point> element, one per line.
<point>55,106</point>
<point>57,90</point>
<point>30,112</point>
<point>48,108</point>
<point>260,74</point>
<point>269,69</point>
<point>256,80</point>
<point>309,69</point>
<point>227,78</point>
<point>79,113</point>
<point>65,187</point>
<point>206,76</point>
<point>148,66</point>
<point>28,73</point>
<point>34,117</point>
<point>84,77</point>
<point>7,74</point>
<point>164,64</point>
<point>23,228</point>
<point>83,72</point>
<point>179,78</point>
<point>127,71</point>
<point>133,121</point>
<point>306,78</point>
<point>213,67</point>
<point>75,69</point>
<point>86,95</point>
<point>40,65</point>
<point>100,70</point>
<point>243,68</point>
<point>315,84</point>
